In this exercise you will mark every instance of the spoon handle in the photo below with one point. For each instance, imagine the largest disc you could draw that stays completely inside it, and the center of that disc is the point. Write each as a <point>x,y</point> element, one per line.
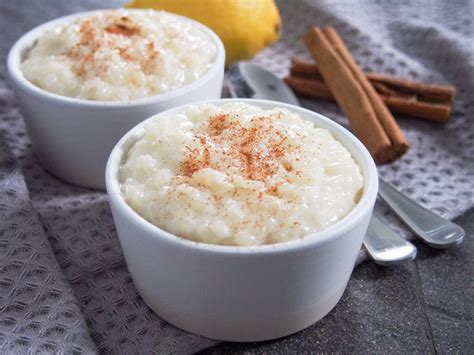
<point>433,229</point>
<point>385,246</point>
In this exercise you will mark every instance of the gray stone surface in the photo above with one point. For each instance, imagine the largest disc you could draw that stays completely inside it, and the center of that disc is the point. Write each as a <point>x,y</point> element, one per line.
<point>447,281</point>
<point>421,307</point>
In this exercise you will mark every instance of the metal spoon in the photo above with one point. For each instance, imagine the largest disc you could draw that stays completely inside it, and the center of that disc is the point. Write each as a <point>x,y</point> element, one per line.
<point>434,230</point>
<point>246,80</point>
<point>249,80</point>
<point>385,246</point>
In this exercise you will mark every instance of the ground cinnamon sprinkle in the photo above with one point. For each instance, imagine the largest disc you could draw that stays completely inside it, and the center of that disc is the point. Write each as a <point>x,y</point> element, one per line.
<point>192,163</point>
<point>152,52</point>
<point>217,124</point>
<point>256,150</point>
<point>88,34</point>
<point>123,26</point>
<point>93,38</point>
<point>124,54</point>
<point>147,63</point>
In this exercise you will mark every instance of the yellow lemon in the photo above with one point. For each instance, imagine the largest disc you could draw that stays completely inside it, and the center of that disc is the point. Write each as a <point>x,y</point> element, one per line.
<point>245,26</point>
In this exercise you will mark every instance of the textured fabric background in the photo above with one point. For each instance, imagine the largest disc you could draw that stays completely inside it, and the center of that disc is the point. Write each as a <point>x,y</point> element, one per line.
<point>64,285</point>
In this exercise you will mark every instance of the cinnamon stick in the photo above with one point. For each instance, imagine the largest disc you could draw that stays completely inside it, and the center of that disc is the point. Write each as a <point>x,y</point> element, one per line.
<point>423,100</point>
<point>304,69</point>
<point>429,90</point>
<point>407,105</point>
<point>309,87</point>
<point>370,119</point>
<point>399,142</point>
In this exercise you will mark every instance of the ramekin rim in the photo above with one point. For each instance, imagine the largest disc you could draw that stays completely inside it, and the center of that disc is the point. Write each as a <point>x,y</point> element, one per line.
<point>15,73</point>
<point>340,227</point>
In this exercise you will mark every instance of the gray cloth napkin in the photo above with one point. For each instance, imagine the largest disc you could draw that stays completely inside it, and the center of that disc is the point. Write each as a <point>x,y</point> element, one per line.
<point>64,285</point>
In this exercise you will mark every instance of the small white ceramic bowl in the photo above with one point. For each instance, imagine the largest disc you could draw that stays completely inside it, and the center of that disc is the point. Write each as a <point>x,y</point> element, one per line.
<point>243,293</point>
<point>72,137</point>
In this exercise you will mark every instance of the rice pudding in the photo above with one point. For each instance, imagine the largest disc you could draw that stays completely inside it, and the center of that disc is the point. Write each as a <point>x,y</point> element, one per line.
<point>240,175</point>
<point>119,55</point>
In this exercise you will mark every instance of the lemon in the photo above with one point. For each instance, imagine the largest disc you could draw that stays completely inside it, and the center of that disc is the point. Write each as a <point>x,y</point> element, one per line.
<point>244,26</point>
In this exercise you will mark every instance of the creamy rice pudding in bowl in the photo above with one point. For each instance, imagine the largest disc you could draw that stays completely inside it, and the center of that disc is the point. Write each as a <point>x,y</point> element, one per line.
<point>241,220</point>
<point>86,79</point>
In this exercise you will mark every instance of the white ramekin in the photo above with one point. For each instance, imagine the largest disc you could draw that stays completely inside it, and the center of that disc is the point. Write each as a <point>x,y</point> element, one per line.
<point>243,293</point>
<point>73,138</point>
